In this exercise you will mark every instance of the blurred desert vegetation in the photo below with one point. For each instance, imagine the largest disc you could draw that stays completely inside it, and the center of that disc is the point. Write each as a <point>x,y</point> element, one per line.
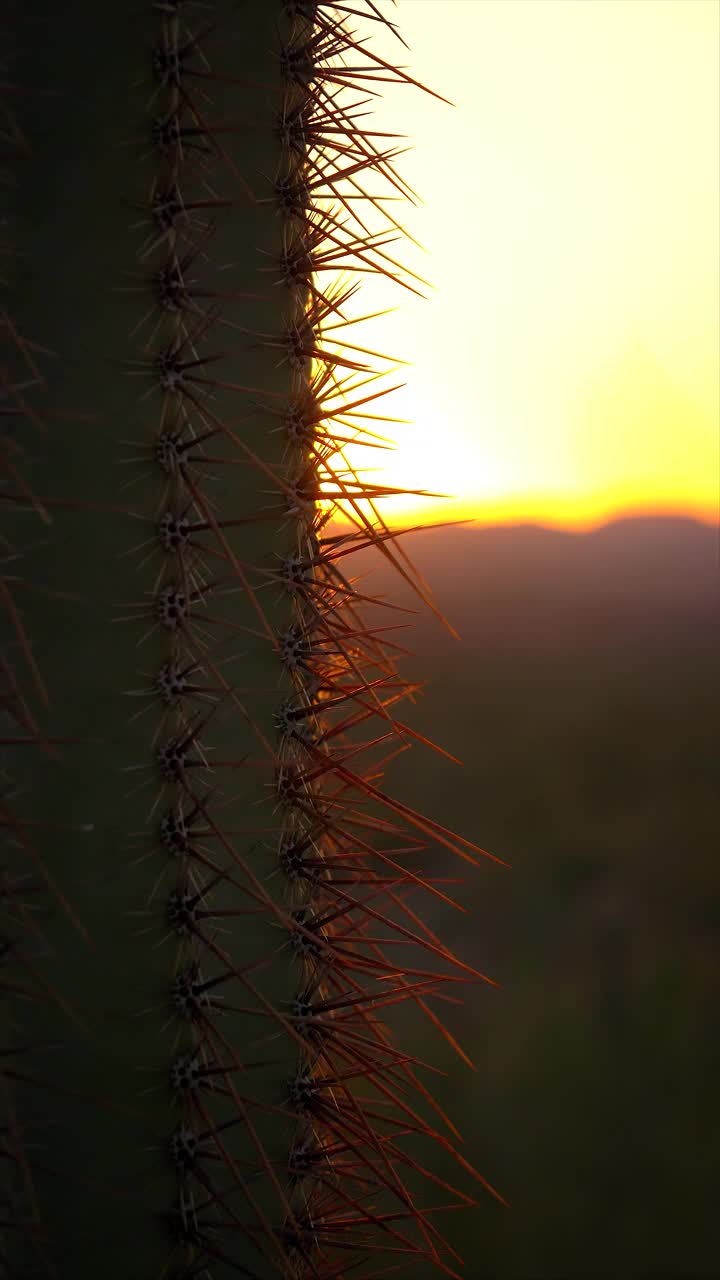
<point>583,698</point>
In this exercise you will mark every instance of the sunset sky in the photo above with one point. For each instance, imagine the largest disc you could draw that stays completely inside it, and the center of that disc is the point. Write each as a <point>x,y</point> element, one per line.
<point>565,368</point>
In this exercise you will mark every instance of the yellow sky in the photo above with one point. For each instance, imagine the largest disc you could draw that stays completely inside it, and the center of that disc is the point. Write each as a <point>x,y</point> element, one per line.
<point>565,367</point>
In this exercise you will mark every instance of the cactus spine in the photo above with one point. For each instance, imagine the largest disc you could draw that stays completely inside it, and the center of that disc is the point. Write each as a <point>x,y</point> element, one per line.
<point>209,894</point>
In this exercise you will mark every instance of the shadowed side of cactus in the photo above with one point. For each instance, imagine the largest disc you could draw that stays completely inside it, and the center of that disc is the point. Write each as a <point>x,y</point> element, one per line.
<point>212,885</point>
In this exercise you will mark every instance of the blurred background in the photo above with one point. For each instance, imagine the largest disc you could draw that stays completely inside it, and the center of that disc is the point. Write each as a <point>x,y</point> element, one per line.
<point>584,700</point>
<point>563,384</point>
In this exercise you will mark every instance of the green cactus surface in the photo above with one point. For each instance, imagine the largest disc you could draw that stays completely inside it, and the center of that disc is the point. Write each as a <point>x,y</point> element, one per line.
<point>211,900</point>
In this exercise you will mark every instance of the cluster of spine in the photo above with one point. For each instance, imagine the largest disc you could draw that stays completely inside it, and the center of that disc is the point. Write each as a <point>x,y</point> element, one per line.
<point>295,1117</point>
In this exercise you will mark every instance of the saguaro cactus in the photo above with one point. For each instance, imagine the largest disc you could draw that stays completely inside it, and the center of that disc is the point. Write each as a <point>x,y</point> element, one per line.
<point>210,898</point>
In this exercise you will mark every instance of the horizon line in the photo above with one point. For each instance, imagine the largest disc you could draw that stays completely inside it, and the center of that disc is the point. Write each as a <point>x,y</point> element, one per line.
<point>539,520</point>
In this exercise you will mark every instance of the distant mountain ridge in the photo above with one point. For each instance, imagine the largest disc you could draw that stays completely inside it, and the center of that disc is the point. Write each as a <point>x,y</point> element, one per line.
<point>528,584</point>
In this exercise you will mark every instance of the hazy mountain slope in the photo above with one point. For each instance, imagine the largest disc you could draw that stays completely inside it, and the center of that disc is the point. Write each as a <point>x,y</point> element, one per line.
<point>533,589</point>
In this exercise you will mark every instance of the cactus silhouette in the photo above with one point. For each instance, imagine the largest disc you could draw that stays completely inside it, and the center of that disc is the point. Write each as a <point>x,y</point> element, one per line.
<point>210,898</point>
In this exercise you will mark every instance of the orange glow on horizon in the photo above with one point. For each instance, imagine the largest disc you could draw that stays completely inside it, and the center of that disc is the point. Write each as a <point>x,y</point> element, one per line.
<point>544,511</point>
